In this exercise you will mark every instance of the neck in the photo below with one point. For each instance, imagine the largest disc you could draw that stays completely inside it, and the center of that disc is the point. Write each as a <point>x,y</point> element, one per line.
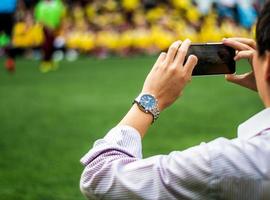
<point>267,105</point>
<point>267,101</point>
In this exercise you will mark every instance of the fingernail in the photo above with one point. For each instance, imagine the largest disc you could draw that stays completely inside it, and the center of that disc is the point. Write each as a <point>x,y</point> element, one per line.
<point>176,43</point>
<point>228,76</point>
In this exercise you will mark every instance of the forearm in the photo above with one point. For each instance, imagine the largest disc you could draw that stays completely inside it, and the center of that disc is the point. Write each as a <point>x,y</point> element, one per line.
<point>137,119</point>
<point>120,151</point>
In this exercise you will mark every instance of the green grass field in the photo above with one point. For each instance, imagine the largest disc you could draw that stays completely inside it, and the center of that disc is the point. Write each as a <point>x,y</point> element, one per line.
<point>48,121</point>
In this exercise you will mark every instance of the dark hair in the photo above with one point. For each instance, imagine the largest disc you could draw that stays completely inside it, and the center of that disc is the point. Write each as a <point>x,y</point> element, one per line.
<point>263,30</point>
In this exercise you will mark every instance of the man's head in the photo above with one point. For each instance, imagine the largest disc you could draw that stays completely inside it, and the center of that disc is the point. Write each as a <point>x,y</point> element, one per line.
<point>263,30</point>
<point>261,60</point>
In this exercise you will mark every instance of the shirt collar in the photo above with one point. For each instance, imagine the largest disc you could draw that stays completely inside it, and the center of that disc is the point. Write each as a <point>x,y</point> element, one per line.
<point>255,125</point>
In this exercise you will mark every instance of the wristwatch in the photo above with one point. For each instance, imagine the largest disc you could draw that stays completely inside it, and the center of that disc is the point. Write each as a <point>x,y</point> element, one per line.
<point>148,104</point>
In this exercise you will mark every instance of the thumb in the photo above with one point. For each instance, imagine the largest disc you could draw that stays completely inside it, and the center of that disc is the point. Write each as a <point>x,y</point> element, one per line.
<point>233,78</point>
<point>237,79</point>
<point>246,80</point>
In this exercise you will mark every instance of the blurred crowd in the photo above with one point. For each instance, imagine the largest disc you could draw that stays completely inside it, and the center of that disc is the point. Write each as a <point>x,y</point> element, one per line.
<point>124,27</point>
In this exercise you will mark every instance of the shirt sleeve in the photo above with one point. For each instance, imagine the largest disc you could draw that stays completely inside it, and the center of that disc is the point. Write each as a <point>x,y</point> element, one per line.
<point>220,169</point>
<point>115,169</point>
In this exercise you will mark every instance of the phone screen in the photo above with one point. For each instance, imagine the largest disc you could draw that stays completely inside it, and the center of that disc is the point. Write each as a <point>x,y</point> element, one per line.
<point>213,58</point>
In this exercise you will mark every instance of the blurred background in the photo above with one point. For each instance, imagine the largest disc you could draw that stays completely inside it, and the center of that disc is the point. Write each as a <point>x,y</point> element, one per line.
<point>69,71</point>
<point>55,29</point>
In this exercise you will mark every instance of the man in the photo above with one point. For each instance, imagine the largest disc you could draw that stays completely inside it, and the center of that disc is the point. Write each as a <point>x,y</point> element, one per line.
<point>7,10</point>
<point>220,169</point>
<point>49,13</point>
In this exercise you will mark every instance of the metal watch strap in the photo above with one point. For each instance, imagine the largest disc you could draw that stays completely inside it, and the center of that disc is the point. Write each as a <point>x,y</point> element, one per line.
<point>155,112</point>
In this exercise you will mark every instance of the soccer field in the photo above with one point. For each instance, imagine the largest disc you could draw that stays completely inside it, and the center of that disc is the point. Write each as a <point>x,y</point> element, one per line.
<point>48,121</point>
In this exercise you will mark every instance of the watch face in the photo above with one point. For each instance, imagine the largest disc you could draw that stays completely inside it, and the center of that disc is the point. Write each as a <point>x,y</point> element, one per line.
<point>148,101</point>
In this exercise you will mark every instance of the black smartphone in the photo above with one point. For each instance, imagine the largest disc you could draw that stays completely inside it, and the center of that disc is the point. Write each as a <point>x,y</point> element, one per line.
<point>213,58</point>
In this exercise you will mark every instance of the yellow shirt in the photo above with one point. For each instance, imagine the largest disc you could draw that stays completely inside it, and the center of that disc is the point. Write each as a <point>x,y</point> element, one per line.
<point>130,5</point>
<point>162,38</point>
<point>27,36</point>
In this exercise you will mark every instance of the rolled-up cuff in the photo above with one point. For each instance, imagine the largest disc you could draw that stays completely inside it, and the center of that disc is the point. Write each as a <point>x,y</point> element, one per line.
<point>125,139</point>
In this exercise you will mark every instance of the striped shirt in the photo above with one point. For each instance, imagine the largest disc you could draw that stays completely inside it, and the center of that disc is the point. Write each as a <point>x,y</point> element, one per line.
<point>221,169</point>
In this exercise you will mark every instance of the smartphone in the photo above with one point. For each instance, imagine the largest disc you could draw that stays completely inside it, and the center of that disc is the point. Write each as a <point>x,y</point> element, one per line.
<point>213,58</point>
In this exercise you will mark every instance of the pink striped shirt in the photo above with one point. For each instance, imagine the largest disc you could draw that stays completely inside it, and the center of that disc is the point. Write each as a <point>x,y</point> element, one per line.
<point>221,169</point>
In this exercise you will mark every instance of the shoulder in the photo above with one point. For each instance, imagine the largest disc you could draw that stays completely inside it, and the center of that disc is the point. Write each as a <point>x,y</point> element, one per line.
<point>239,167</point>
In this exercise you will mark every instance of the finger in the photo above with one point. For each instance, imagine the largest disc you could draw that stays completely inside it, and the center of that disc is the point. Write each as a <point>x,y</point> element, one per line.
<point>244,54</point>
<point>161,58</point>
<point>236,45</point>
<point>190,64</point>
<point>238,79</point>
<point>172,52</point>
<point>231,77</point>
<point>181,53</point>
<point>246,80</point>
<point>247,41</point>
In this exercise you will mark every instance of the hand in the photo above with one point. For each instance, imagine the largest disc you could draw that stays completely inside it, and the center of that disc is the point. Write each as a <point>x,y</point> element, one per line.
<point>165,81</point>
<point>245,48</point>
<point>169,75</point>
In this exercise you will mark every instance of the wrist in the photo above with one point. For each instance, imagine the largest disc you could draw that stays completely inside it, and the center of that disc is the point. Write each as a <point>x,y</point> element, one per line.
<point>137,119</point>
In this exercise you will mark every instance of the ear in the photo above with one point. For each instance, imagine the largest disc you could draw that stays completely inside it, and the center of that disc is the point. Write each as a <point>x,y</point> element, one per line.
<point>267,66</point>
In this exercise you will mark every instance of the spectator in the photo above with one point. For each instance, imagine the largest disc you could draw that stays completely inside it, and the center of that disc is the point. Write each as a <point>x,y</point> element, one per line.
<point>7,10</point>
<point>49,13</point>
